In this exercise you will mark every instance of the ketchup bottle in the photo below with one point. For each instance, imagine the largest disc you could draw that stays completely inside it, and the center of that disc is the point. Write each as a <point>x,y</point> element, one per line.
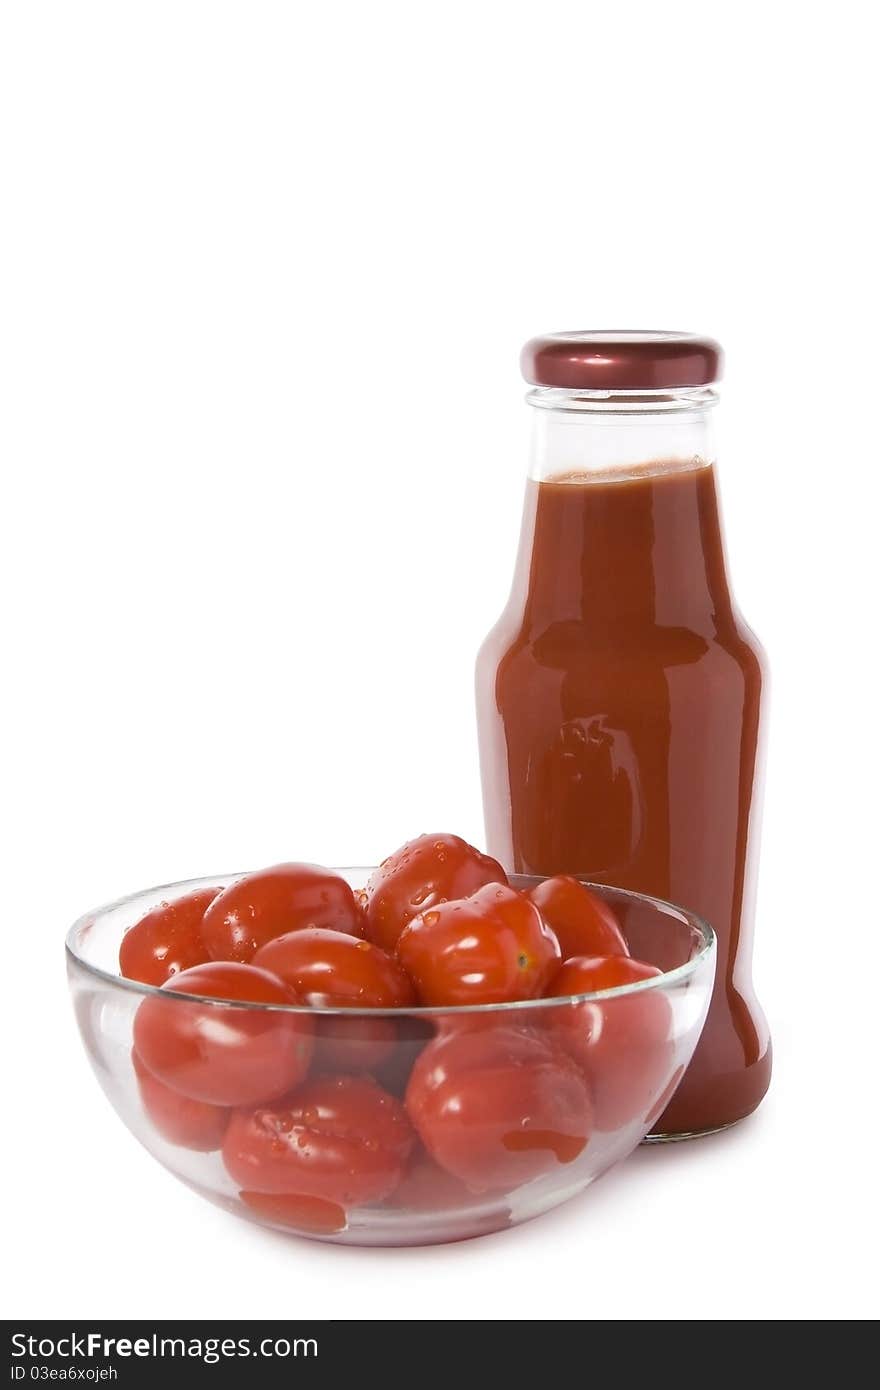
<point>619,697</point>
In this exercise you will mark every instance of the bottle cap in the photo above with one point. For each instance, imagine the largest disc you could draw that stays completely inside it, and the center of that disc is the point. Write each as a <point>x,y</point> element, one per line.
<point>625,360</point>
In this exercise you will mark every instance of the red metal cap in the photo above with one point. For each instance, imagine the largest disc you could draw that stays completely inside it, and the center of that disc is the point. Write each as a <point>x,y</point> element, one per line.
<point>628,360</point>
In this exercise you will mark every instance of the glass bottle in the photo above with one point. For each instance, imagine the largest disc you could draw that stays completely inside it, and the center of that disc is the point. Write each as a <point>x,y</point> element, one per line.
<point>619,697</point>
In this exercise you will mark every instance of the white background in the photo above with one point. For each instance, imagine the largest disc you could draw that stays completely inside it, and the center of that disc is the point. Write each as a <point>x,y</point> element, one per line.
<point>267,269</point>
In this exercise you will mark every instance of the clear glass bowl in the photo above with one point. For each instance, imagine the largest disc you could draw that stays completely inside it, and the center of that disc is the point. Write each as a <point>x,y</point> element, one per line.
<point>623,1053</point>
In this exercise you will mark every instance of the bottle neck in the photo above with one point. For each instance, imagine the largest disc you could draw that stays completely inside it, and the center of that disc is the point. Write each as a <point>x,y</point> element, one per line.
<point>621,527</point>
<point>592,433</point>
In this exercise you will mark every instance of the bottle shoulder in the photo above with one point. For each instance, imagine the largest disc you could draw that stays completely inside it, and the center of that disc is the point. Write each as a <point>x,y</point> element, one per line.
<point>506,636</point>
<point>751,643</point>
<point>574,648</point>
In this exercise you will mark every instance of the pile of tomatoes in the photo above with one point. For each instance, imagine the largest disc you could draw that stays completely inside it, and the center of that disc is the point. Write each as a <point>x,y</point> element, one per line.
<point>317,1114</point>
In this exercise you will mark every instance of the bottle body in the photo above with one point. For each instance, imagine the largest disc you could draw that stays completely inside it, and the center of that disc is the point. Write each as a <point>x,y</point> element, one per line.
<point>620,714</point>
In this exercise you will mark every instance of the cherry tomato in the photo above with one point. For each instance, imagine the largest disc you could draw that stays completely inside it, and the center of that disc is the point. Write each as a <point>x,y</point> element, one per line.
<point>588,974</point>
<point>584,924</point>
<point>426,871</point>
<point>226,1056</point>
<point>360,902</point>
<point>167,940</point>
<point>428,1187</point>
<point>624,1044</point>
<point>492,948</point>
<point>341,1139</point>
<point>267,904</point>
<point>191,1124</point>
<point>427,1191</point>
<point>328,969</point>
<point>499,1107</point>
<point>311,1214</point>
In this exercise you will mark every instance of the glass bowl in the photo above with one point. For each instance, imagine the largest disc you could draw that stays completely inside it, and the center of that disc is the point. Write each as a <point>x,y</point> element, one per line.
<point>523,1104</point>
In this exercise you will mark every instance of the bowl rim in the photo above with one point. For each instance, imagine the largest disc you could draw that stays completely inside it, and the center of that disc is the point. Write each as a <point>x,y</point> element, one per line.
<point>664,980</point>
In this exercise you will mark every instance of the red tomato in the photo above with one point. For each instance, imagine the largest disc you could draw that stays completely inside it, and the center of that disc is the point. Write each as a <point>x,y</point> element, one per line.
<point>499,1108</point>
<point>428,1190</point>
<point>428,1187</point>
<point>167,940</point>
<point>429,870</point>
<point>492,948</point>
<point>328,969</point>
<point>623,1044</point>
<point>360,902</point>
<point>192,1124</point>
<point>226,1056</point>
<point>338,1138</point>
<point>309,1214</point>
<point>584,924</point>
<point>267,904</point>
<point>588,974</point>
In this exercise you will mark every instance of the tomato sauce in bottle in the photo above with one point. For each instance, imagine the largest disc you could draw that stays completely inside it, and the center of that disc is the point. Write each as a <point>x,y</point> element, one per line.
<point>619,696</point>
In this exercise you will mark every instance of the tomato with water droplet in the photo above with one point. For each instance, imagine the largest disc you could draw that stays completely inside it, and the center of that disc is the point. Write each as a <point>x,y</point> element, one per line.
<point>328,969</point>
<point>491,948</point>
<point>339,1139</point>
<point>428,870</point>
<point>257,908</point>
<point>167,940</point>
